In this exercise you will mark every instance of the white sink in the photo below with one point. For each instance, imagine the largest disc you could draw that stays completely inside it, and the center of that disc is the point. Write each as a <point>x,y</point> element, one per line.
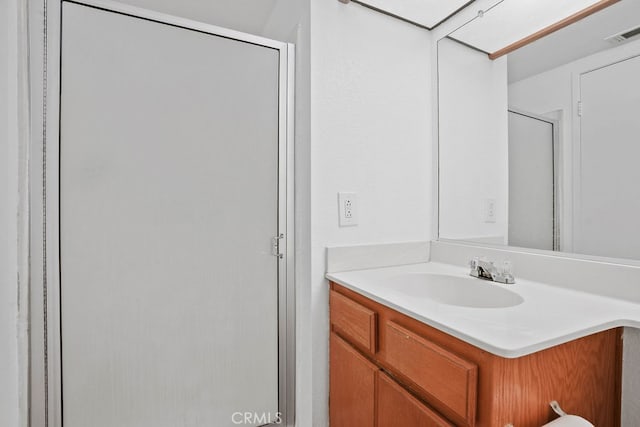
<point>455,290</point>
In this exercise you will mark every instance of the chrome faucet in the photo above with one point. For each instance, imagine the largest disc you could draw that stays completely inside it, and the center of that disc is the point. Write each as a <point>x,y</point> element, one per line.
<point>483,269</point>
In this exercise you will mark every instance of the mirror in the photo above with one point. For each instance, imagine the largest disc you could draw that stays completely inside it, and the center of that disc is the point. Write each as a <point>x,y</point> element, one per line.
<point>540,148</point>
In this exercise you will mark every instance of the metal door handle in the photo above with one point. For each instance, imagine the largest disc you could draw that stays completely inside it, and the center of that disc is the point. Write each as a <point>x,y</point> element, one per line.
<point>275,246</point>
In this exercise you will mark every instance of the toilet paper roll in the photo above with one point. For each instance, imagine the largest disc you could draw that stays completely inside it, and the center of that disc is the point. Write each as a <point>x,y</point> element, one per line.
<point>569,421</point>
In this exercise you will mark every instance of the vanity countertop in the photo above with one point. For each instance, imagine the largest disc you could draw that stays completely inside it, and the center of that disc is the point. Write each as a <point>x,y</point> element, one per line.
<point>549,315</point>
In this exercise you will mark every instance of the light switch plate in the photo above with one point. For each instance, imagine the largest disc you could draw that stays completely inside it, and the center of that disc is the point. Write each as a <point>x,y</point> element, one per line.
<point>347,209</point>
<point>489,210</point>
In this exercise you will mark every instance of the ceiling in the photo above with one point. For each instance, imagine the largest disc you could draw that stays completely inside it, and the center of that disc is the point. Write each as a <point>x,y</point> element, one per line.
<point>581,39</point>
<point>510,21</point>
<point>495,30</point>
<point>428,13</point>
<point>249,16</point>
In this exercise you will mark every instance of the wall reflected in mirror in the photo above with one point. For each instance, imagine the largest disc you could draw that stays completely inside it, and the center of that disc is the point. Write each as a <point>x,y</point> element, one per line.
<point>540,148</point>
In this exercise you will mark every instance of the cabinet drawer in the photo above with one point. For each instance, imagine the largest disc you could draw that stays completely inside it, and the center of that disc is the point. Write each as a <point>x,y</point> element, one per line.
<point>448,379</point>
<point>397,407</point>
<point>353,321</point>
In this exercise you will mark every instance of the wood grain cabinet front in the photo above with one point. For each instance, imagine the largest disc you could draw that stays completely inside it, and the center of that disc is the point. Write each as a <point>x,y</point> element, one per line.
<point>362,395</point>
<point>353,321</point>
<point>389,370</point>
<point>449,380</point>
<point>352,384</point>
<point>397,407</point>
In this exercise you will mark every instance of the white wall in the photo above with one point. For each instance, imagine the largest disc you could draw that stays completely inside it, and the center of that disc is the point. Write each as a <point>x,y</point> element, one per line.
<point>473,143</point>
<point>371,103</point>
<point>8,219</point>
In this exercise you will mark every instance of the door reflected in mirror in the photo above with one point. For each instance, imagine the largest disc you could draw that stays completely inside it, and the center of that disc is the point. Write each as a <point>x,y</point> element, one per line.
<point>540,148</point>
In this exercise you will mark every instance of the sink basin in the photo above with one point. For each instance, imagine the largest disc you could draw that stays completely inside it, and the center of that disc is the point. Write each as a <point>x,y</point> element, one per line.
<point>455,290</point>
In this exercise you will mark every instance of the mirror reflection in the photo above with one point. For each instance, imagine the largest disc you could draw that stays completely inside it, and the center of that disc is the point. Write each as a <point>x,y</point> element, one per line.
<point>540,148</point>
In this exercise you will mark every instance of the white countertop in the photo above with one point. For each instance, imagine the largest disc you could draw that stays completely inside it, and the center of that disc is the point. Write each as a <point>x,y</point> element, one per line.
<point>549,315</point>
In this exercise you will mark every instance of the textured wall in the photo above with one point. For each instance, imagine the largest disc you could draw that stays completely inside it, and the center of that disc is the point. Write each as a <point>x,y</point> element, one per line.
<point>371,133</point>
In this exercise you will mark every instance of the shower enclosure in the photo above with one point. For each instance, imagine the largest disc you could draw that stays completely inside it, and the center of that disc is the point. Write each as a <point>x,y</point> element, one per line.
<point>167,223</point>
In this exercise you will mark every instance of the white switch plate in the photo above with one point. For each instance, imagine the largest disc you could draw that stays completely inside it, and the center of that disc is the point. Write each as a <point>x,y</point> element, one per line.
<point>347,209</point>
<point>489,211</point>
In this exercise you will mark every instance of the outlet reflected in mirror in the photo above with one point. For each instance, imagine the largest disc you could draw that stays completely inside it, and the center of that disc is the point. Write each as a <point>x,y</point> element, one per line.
<point>547,138</point>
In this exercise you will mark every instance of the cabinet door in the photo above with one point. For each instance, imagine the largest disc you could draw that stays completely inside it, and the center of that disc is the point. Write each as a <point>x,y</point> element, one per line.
<point>397,407</point>
<point>353,321</point>
<point>352,383</point>
<point>449,380</point>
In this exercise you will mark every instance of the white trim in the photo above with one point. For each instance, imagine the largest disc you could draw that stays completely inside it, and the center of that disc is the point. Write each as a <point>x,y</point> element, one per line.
<point>561,223</point>
<point>288,349</point>
<point>532,115</point>
<point>576,172</point>
<point>435,148</point>
<point>48,394</point>
<point>36,362</point>
<point>52,219</point>
<point>114,6</point>
<point>286,272</point>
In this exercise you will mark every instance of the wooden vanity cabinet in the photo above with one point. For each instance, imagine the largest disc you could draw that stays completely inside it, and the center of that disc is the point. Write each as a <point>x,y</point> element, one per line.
<point>395,406</point>
<point>403,373</point>
<point>362,395</point>
<point>352,383</point>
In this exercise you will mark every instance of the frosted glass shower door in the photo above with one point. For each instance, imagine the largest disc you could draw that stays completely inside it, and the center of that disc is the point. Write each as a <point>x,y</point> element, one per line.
<point>531,182</point>
<point>168,206</point>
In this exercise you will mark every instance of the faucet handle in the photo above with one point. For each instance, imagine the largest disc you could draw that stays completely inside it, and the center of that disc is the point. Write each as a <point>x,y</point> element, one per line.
<point>504,273</point>
<point>473,263</point>
<point>506,267</point>
<point>476,269</point>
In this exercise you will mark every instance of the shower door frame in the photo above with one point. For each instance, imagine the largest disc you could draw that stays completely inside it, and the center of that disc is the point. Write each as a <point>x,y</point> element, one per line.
<point>45,394</point>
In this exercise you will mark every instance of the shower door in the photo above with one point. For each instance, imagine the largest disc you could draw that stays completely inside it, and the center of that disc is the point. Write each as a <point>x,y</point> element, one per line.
<point>171,201</point>
<point>532,188</point>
